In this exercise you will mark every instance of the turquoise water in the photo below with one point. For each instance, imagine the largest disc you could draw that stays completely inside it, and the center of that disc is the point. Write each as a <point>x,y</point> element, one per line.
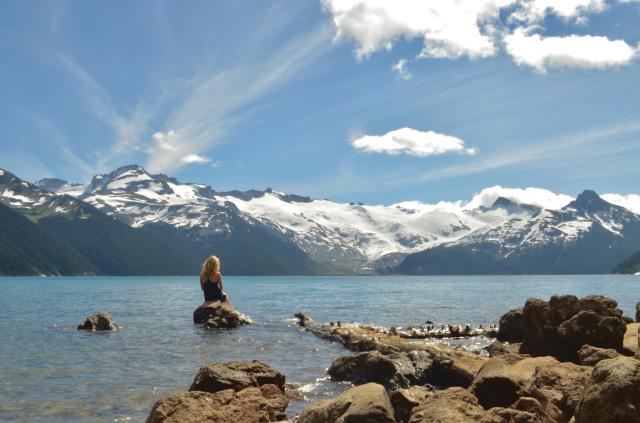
<point>51,372</point>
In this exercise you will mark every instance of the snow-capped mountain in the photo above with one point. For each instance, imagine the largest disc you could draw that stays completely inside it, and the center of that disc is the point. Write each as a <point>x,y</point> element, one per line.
<point>490,234</point>
<point>348,235</point>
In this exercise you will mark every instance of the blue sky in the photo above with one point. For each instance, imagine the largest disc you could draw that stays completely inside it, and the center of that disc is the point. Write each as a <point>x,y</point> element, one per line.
<point>250,94</point>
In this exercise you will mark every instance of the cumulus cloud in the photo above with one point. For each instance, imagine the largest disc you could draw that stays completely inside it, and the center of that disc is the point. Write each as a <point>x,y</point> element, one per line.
<point>629,202</point>
<point>412,142</point>
<point>573,51</point>
<point>475,29</point>
<point>449,29</point>
<point>401,70</point>
<point>532,196</point>
<point>195,159</point>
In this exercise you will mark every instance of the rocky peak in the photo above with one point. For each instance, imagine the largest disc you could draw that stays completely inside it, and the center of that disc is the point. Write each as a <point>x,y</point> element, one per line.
<point>590,202</point>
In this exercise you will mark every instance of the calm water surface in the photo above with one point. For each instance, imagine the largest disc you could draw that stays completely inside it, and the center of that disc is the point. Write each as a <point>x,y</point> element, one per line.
<point>51,372</point>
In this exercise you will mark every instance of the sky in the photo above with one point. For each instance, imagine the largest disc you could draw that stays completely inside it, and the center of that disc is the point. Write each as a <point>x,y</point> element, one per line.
<point>373,101</point>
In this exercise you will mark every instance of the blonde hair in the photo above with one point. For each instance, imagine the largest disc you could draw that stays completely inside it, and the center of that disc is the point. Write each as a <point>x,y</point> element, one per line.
<point>210,266</point>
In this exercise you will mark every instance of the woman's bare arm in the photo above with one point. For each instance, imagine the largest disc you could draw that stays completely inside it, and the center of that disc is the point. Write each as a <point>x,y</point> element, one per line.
<point>220,281</point>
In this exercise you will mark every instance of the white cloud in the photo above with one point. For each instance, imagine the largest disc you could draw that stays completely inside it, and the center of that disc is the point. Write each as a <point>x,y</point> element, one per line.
<point>474,29</point>
<point>412,142</point>
<point>630,202</point>
<point>531,11</point>
<point>533,196</point>
<point>401,70</point>
<point>195,159</point>
<point>573,51</point>
<point>449,29</point>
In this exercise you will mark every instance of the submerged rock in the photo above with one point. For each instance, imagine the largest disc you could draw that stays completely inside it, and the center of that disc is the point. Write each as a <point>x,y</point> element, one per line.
<point>99,321</point>
<point>563,325</point>
<point>217,314</point>
<point>364,403</point>
<point>612,393</point>
<point>232,392</point>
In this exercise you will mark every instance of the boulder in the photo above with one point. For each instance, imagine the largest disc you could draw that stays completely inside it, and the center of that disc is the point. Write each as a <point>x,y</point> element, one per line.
<point>216,314</point>
<point>506,378</point>
<point>590,356</point>
<point>99,321</point>
<point>393,371</point>
<point>402,369</point>
<point>362,404</point>
<point>453,405</point>
<point>264,404</point>
<point>562,325</point>
<point>405,400</point>
<point>511,326</point>
<point>638,312</point>
<point>236,375</point>
<point>612,393</point>
<point>630,342</point>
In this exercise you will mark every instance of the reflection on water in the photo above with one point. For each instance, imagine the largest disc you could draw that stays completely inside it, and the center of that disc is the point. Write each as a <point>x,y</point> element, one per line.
<point>51,372</point>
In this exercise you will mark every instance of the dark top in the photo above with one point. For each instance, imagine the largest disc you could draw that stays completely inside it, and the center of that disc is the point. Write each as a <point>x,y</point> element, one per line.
<point>212,291</point>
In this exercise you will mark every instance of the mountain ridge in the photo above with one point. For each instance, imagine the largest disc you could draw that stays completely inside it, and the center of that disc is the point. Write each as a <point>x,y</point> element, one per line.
<point>499,234</point>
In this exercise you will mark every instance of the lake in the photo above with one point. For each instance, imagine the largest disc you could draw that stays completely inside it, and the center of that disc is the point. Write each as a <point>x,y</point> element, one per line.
<point>51,372</point>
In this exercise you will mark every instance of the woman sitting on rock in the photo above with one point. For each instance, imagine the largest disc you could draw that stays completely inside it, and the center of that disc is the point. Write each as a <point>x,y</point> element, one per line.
<point>211,280</point>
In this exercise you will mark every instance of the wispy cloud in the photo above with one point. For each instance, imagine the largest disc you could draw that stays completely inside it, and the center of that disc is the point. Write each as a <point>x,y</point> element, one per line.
<point>128,130</point>
<point>215,103</point>
<point>540,151</point>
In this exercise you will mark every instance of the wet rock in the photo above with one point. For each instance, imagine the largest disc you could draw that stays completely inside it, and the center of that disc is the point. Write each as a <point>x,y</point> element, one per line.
<point>564,324</point>
<point>405,400</point>
<point>506,378</point>
<point>364,403</point>
<point>612,393</point>
<point>264,404</point>
<point>453,405</point>
<point>219,315</point>
<point>99,321</point>
<point>236,375</point>
<point>590,356</point>
<point>511,326</point>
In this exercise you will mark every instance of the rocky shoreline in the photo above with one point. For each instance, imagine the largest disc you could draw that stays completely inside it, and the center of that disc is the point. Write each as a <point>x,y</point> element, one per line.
<point>557,361</point>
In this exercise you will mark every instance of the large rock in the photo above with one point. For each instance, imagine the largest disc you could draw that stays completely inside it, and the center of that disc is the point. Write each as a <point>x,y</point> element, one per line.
<point>510,415</point>
<point>506,378</point>
<point>630,342</point>
<point>263,404</point>
<point>401,369</point>
<point>99,321</point>
<point>393,371</point>
<point>511,326</point>
<point>637,312</point>
<point>216,314</point>
<point>367,403</point>
<point>590,356</point>
<point>236,375</point>
<point>236,391</point>
<point>612,393</point>
<point>453,405</point>
<point>405,400</point>
<point>564,324</point>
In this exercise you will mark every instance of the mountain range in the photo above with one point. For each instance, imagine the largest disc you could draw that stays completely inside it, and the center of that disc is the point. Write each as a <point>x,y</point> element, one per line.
<point>132,222</point>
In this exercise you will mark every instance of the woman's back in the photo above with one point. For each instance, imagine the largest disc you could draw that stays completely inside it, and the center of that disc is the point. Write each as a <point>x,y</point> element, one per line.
<point>212,291</point>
